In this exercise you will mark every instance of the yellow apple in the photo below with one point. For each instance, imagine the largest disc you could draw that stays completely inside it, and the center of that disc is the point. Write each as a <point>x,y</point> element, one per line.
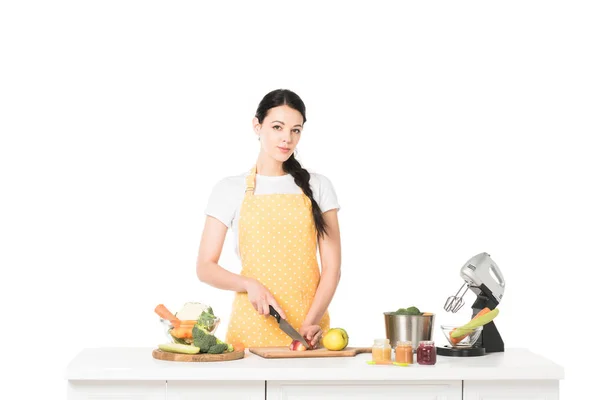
<point>335,339</point>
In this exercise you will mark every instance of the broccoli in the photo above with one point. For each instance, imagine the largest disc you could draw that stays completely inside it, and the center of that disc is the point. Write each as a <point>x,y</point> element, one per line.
<point>229,346</point>
<point>413,311</point>
<point>202,338</point>
<point>205,343</point>
<point>408,311</point>
<point>198,331</point>
<point>207,319</point>
<point>217,348</point>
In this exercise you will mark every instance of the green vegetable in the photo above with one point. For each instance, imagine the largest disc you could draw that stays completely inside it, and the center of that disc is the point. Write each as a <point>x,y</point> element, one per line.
<point>180,341</point>
<point>474,323</point>
<point>229,346</point>
<point>203,339</point>
<point>209,343</point>
<point>199,331</point>
<point>409,311</point>
<point>413,311</point>
<point>179,348</point>
<point>207,319</point>
<point>205,343</point>
<point>217,348</point>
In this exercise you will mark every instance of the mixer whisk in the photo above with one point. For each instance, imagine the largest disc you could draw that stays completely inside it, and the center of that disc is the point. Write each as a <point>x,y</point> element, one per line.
<point>454,303</point>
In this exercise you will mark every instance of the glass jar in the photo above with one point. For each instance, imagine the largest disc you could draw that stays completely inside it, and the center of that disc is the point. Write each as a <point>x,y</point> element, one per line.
<point>404,352</point>
<point>426,353</point>
<point>382,351</point>
<point>182,333</point>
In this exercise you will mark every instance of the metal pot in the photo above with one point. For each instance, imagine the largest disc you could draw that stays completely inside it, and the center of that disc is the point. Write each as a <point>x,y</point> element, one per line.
<point>408,327</point>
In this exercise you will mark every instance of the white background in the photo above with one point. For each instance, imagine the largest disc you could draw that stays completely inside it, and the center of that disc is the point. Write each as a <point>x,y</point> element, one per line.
<point>447,129</point>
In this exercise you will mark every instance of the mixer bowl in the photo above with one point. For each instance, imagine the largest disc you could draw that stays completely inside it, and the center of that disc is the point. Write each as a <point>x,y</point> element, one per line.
<point>400,328</point>
<point>467,341</point>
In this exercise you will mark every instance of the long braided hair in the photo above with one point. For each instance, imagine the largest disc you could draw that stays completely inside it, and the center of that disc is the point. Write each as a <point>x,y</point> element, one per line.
<point>301,176</point>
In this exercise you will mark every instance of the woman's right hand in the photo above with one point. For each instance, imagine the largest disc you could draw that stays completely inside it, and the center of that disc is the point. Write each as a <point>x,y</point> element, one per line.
<point>260,298</point>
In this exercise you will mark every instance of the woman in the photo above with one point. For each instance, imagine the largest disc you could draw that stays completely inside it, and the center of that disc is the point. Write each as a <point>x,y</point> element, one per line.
<point>279,213</point>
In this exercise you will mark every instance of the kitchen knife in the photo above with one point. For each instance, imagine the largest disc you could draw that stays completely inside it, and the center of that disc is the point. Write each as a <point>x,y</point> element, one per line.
<point>287,328</point>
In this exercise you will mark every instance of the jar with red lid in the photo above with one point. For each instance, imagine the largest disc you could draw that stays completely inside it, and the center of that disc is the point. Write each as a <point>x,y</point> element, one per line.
<point>426,353</point>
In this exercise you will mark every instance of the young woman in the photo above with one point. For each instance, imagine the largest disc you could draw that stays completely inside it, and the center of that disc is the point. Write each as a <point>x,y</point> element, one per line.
<point>279,213</point>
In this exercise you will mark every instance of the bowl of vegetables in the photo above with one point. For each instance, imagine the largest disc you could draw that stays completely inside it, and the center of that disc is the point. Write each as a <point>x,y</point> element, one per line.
<point>408,324</point>
<point>458,336</point>
<point>178,327</point>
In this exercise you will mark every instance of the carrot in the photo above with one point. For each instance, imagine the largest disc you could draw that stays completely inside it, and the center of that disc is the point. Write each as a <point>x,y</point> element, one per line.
<point>183,332</point>
<point>479,314</point>
<point>238,346</point>
<point>458,339</point>
<point>482,312</point>
<point>164,313</point>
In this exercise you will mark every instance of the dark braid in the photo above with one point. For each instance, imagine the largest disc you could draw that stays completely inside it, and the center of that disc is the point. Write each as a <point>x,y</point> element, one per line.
<point>281,97</point>
<point>302,179</point>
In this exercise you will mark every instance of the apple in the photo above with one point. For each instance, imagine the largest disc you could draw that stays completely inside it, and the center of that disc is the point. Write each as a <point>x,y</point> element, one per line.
<point>297,345</point>
<point>335,339</point>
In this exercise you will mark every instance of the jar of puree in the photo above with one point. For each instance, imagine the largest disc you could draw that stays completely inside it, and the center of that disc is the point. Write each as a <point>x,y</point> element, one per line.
<point>426,353</point>
<point>404,352</point>
<point>381,350</point>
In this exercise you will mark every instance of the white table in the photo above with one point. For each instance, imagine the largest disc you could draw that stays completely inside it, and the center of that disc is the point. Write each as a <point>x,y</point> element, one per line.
<point>132,373</point>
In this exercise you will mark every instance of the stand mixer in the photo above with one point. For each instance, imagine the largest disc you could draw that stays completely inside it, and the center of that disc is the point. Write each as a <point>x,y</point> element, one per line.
<point>477,274</point>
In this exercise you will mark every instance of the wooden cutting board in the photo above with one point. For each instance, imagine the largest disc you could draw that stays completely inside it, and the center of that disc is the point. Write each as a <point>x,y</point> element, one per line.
<point>201,357</point>
<point>285,352</point>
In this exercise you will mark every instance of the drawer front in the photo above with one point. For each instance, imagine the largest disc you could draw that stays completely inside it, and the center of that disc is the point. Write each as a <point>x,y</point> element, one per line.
<point>511,390</point>
<point>221,390</point>
<point>372,390</point>
<point>116,390</point>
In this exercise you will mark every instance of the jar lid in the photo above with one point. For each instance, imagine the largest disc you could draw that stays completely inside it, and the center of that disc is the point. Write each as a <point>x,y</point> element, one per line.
<point>404,343</point>
<point>382,341</point>
<point>426,342</point>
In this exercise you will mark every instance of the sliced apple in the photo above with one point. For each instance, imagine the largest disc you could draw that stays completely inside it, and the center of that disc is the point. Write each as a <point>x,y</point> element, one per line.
<point>297,345</point>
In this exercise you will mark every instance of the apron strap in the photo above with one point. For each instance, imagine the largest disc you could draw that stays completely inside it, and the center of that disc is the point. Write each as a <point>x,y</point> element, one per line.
<point>251,182</point>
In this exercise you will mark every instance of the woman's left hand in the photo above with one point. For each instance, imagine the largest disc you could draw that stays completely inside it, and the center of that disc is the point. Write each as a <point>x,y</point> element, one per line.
<point>312,333</point>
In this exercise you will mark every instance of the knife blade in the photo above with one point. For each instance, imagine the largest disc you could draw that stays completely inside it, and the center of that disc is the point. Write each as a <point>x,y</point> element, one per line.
<point>287,328</point>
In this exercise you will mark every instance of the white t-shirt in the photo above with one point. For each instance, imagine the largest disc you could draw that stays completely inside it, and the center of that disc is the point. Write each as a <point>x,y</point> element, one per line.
<point>227,195</point>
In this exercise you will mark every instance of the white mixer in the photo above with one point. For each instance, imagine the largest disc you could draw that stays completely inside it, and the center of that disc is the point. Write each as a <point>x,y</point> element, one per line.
<point>482,275</point>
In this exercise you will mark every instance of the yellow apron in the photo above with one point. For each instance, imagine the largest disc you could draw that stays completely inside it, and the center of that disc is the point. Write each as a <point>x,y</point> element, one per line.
<point>278,247</point>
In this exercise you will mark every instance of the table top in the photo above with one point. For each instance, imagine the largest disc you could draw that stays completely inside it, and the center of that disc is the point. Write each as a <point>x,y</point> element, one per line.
<point>137,363</point>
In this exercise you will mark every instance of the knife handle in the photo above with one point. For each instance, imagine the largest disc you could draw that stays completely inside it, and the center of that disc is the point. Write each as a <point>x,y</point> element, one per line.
<point>274,313</point>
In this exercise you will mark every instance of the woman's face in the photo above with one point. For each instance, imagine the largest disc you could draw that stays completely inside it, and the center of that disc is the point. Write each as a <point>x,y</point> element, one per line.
<point>280,132</point>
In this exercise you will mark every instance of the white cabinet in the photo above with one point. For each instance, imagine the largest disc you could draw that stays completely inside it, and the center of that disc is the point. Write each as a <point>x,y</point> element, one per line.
<point>511,390</point>
<point>376,390</point>
<point>132,374</point>
<point>314,390</point>
<point>121,390</point>
<point>221,390</point>
<point>166,390</point>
